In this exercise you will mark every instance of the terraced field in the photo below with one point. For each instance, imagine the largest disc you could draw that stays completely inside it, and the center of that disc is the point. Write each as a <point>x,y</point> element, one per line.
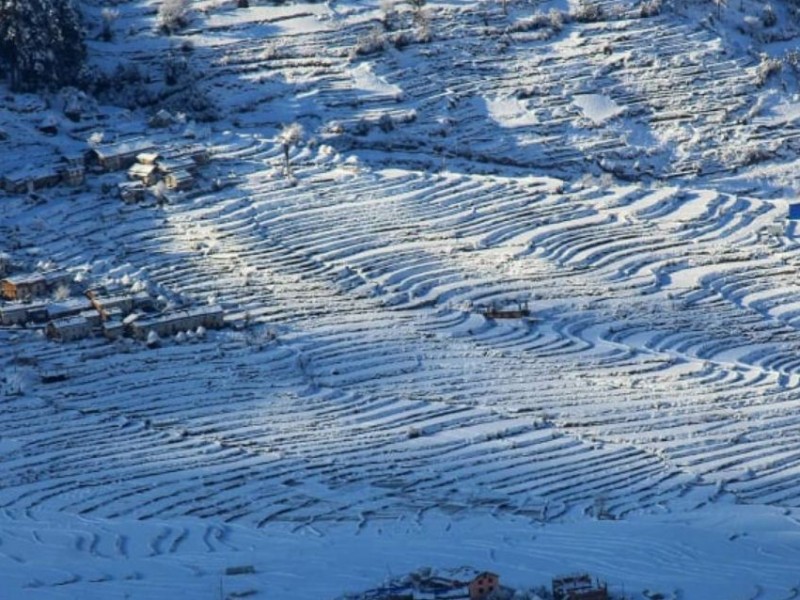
<point>362,380</point>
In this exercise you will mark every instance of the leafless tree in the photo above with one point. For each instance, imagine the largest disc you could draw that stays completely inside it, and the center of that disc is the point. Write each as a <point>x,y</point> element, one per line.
<point>289,137</point>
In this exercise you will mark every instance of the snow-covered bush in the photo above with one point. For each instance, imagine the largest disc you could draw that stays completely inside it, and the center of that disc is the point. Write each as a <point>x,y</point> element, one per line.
<point>766,69</point>
<point>650,8</point>
<point>388,14</point>
<point>588,12</point>
<point>370,43</point>
<point>556,18</point>
<point>173,15</point>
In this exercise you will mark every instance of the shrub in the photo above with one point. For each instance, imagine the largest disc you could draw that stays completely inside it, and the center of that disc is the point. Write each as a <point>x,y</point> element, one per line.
<point>768,16</point>
<point>109,16</point>
<point>386,123</point>
<point>371,42</point>
<point>173,15</point>
<point>588,12</point>
<point>650,8</point>
<point>766,69</point>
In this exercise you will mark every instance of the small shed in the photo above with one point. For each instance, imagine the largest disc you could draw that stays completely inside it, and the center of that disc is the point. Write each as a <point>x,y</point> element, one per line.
<point>483,585</point>
<point>23,287</point>
<point>132,192</point>
<point>179,180</point>
<point>69,329</point>
<point>794,211</point>
<point>74,175</point>
<point>146,173</point>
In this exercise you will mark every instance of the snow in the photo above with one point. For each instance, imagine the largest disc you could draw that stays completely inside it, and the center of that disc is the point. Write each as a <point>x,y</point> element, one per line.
<point>365,80</point>
<point>360,416</point>
<point>510,112</point>
<point>598,108</point>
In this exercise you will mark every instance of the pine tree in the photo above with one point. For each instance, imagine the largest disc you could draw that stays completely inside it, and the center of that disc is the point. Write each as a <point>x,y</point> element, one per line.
<point>41,43</point>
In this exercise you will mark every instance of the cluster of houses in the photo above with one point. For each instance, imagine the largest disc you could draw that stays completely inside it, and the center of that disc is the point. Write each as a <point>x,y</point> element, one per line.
<point>147,164</point>
<point>27,298</point>
<point>485,586</point>
<point>134,315</point>
<point>70,169</point>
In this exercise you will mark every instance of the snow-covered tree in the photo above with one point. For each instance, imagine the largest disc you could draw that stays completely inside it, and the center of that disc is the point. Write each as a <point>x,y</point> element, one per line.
<point>41,43</point>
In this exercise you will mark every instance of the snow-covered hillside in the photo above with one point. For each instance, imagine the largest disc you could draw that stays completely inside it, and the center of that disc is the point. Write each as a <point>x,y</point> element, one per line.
<point>527,301</point>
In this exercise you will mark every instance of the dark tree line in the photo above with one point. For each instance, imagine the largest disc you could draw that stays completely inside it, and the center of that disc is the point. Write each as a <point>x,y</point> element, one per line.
<point>41,44</point>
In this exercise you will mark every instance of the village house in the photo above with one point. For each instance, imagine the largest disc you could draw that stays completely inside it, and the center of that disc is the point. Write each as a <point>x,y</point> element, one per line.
<point>483,585</point>
<point>68,308</point>
<point>132,192</point>
<point>105,304</point>
<point>210,317</point>
<point>179,180</point>
<point>31,179</point>
<point>23,287</point>
<point>113,330</point>
<point>73,169</point>
<point>14,314</point>
<point>113,157</point>
<point>146,173</point>
<point>73,176</point>
<point>148,158</point>
<point>578,587</point>
<point>26,287</point>
<point>69,329</point>
<point>5,263</point>
<point>197,153</point>
<point>173,165</point>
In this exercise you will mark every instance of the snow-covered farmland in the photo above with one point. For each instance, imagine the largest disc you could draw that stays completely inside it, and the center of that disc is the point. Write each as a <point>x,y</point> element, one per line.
<point>362,416</point>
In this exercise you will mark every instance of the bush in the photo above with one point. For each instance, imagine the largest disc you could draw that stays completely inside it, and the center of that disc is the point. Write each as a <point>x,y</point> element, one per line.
<point>650,8</point>
<point>588,12</point>
<point>386,123</point>
<point>766,69</point>
<point>768,16</point>
<point>173,15</point>
<point>371,42</point>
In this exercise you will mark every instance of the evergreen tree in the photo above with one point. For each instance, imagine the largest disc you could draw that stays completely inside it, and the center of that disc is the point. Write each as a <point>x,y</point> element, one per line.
<point>41,43</point>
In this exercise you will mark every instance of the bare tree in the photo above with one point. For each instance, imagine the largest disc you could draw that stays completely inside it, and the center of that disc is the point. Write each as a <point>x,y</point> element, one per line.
<point>289,137</point>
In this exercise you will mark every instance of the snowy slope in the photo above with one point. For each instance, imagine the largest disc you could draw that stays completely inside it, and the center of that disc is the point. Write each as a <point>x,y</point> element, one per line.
<point>362,415</point>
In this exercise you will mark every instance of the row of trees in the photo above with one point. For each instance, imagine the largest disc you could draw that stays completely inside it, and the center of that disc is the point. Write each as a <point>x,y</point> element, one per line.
<point>41,43</point>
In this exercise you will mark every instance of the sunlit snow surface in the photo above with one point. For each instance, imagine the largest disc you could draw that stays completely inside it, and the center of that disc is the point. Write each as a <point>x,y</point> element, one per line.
<point>362,417</point>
